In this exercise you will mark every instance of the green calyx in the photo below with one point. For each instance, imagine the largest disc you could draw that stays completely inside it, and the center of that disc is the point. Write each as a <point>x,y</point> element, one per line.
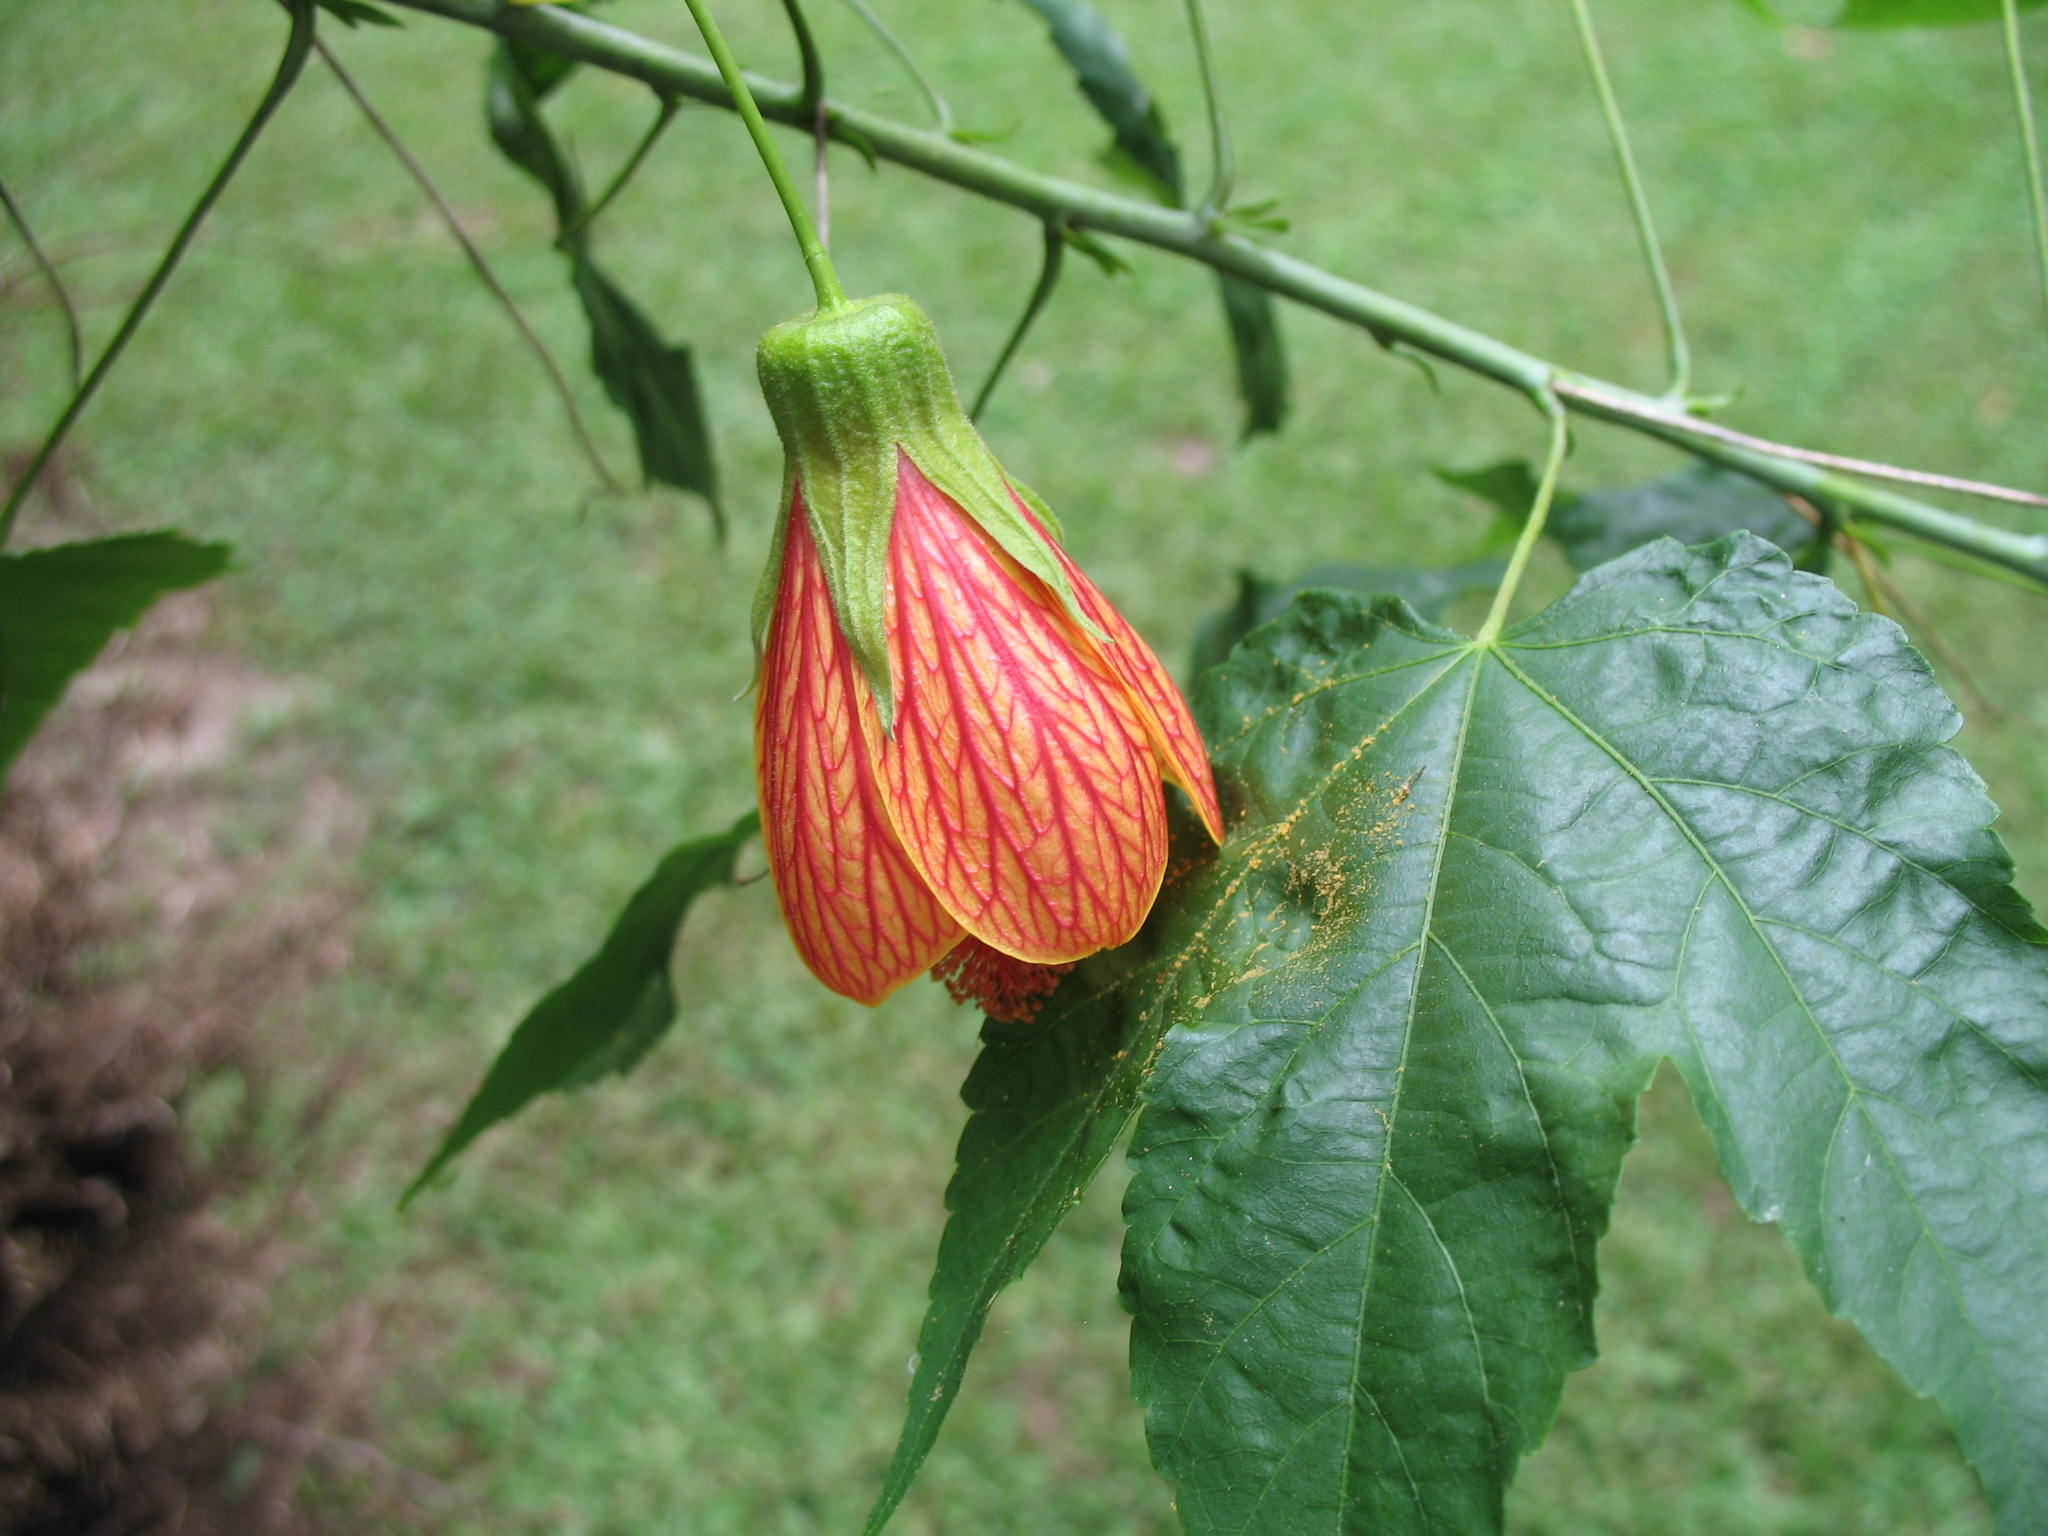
<point>850,389</point>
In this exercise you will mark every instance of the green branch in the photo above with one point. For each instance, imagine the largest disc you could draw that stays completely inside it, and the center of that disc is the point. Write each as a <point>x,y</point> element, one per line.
<point>1390,320</point>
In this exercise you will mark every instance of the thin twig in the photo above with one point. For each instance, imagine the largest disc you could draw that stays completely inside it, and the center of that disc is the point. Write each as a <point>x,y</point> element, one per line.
<point>50,275</point>
<point>1866,570</point>
<point>1048,278</point>
<point>2030,142</point>
<point>1678,352</point>
<point>1914,619</point>
<point>481,267</point>
<point>297,43</point>
<point>1880,589</point>
<point>1692,426</point>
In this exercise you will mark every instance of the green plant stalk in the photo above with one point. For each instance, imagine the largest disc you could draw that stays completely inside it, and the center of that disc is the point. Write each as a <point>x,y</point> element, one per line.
<point>1678,352</point>
<point>298,44</point>
<point>1048,279</point>
<point>817,260</point>
<point>51,276</point>
<point>2030,142</point>
<point>1389,319</point>
<point>1222,158</point>
<point>1532,530</point>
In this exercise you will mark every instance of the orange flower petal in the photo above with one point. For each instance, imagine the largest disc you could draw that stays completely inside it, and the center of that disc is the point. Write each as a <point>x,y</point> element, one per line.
<point>1019,779</point>
<point>862,919</point>
<point>1169,726</point>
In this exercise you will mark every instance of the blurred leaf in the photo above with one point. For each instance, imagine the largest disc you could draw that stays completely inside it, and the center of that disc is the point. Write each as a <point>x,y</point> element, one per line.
<point>520,78</point>
<point>59,607</point>
<point>1102,67</point>
<point>654,383</point>
<point>1699,808</point>
<point>1261,360</point>
<point>1695,505</point>
<point>1048,1102</point>
<point>1509,487</point>
<point>1259,601</point>
<point>355,13</point>
<point>606,1017</point>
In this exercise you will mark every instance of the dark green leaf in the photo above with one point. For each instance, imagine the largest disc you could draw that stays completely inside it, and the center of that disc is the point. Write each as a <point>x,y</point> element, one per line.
<point>1261,359</point>
<point>1702,808</point>
<point>356,13</point>
<point>654,383</point>
<point>1049,1100</point>
<point>520,78</point>
<point>1259,601</point>
<point>60,606</point>
<point>1697,505</point>
<point>607,1016</point>
<point>1102,67</point>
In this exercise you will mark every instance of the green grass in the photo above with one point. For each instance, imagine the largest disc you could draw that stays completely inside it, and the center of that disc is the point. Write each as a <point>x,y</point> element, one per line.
<point>686,1302</point>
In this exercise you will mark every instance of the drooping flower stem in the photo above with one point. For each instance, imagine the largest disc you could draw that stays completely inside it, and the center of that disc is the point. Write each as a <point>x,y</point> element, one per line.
<point>817,260</point>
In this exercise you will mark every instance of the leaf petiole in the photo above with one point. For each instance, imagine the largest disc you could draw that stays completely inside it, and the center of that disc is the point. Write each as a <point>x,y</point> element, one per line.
<point>1539,514</point>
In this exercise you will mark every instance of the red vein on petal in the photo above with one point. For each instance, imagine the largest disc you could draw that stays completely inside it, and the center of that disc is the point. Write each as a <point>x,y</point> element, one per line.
<point>862,919</point>
<point>1020,780</point>
<point>1169,726</point>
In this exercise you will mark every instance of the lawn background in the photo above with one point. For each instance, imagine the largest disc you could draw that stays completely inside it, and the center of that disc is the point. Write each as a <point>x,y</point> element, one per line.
<point>686,1302</point>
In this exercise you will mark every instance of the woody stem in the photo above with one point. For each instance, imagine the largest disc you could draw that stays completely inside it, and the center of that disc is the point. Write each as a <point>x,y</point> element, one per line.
<point>817,260</point>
